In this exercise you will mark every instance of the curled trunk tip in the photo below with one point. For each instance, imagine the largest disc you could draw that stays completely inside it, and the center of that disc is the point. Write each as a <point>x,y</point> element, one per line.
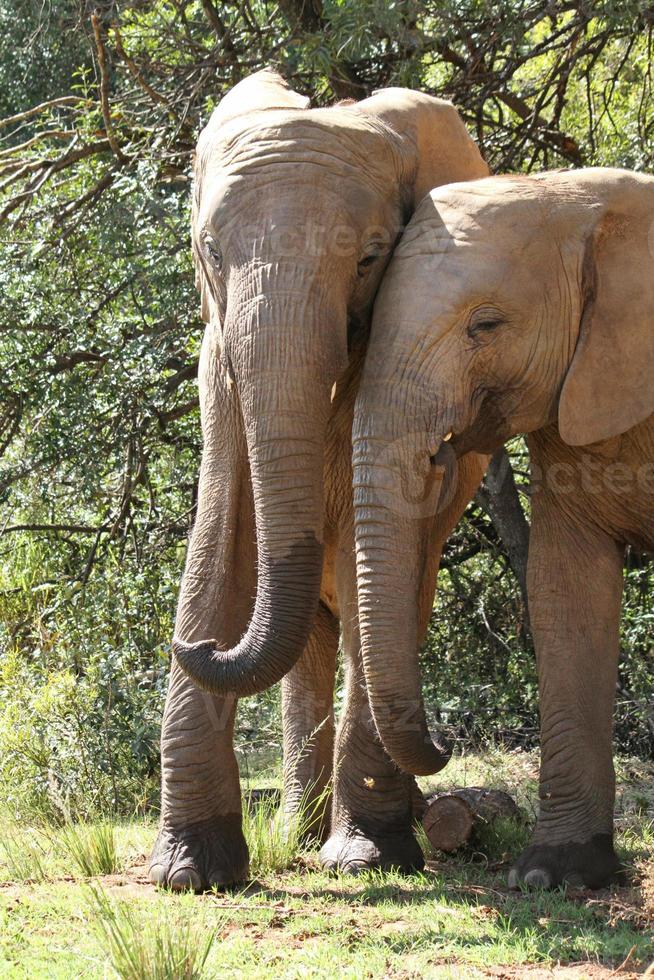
<point>192,658</point>
<point>284,612</point>
<point>406,737</point>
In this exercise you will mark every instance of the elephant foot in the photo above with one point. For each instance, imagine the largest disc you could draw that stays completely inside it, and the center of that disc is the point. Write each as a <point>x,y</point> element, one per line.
<point>593,864</point>
<point>204,855</point>
<point>354,852</point>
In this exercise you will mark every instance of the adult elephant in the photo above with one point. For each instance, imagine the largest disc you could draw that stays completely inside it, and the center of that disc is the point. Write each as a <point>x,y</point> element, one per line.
<point>522,305</point>
<point>295,213</point>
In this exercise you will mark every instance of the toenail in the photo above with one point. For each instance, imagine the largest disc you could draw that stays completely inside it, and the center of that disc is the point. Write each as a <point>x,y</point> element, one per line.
<point>185,879</point>
<point>157,875</point>
<point>538,878</point>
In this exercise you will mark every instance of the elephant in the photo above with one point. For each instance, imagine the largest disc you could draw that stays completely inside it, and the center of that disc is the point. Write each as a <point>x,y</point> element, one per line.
<point>519,305</point>
<point>295,213</point>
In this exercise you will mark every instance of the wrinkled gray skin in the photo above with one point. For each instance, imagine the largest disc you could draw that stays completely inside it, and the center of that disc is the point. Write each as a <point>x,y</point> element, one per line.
<point>521,305</point>
<point>295,214</point>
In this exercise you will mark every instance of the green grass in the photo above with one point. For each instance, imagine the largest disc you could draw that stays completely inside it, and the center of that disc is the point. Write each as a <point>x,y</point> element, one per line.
<point>457,919</point>
<point>275,841</point>
<point>169,945</point>
<point>24,856</point>
<point>91,848</point>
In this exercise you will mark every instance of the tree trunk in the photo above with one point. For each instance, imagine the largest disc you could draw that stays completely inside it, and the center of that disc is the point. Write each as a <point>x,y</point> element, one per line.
<point>498,497</point>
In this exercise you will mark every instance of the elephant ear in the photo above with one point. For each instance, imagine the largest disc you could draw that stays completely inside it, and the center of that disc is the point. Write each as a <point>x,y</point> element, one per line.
<point>609,385</point>
<point>436,147</point>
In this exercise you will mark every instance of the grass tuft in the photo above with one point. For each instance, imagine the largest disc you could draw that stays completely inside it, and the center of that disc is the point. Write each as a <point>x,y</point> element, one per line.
<point>24,859</point>
<point>156,948</point>
<point>276,840</point>
<point>91,847</point>
<point>503,838</point>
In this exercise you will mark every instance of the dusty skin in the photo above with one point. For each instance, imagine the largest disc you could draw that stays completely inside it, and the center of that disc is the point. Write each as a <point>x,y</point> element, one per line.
<point>295,213</point>
<point>522,305</point>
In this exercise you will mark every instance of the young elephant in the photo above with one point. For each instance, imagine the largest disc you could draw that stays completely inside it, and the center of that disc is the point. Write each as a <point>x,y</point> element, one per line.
<point>519,305</point>
<point>295,213</point>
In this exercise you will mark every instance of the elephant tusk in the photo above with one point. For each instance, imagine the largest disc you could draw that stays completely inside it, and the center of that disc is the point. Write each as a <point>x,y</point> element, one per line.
<point>447,437</point>
<point>333,395</point>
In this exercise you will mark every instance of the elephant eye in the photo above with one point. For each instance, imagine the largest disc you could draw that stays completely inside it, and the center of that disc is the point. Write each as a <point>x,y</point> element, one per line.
<point>214,253</point>
<point>484,322</point>
<point>368,260</point>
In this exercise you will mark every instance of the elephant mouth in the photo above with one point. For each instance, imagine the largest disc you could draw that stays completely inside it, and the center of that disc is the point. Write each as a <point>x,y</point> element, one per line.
<point>358,329</point>
<point>487,432</point>
<point>443,454</point>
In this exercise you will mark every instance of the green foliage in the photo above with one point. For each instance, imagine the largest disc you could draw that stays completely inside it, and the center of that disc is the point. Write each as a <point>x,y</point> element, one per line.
<point>82,682</point>
<point>40,48</point>
<point>478,667</point>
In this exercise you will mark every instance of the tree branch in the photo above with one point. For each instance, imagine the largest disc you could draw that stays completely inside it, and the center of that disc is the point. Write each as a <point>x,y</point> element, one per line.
<point>58,528</point>
<point>35,110</point>
<point>498,497</point>
<point>104,89</point>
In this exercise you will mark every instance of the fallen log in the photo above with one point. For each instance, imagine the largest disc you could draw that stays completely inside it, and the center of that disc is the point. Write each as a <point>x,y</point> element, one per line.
<point>269,795</point>
<point>450,819</point>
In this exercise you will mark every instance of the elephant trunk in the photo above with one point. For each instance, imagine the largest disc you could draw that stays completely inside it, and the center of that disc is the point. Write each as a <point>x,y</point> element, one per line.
<point>284,391</point>
<point>396,493</point>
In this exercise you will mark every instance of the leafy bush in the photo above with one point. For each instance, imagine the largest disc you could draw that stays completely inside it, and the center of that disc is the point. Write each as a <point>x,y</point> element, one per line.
<point>82,684</point>
<point>478,664</point>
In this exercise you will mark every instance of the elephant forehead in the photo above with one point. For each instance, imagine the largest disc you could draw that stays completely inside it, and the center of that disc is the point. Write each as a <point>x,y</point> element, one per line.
<point>508,208</point>
<point>239,207</point>
<point>414,291</point>
<point>486,223</point>
<point>441,274</point>
<point>335,139</point>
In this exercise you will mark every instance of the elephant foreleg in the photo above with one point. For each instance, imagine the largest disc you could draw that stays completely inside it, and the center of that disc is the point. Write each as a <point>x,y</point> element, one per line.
<point>374,801</point>
<point>200,841</point>
<point>575,588</point>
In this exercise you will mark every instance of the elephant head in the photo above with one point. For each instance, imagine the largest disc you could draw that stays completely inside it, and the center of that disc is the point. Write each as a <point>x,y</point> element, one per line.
<point>295,213</point>
<point>511,303</point>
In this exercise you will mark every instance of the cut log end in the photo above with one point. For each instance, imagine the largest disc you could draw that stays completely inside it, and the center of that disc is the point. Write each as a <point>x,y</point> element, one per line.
<point>448,823</point>
<point>450,819</point>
